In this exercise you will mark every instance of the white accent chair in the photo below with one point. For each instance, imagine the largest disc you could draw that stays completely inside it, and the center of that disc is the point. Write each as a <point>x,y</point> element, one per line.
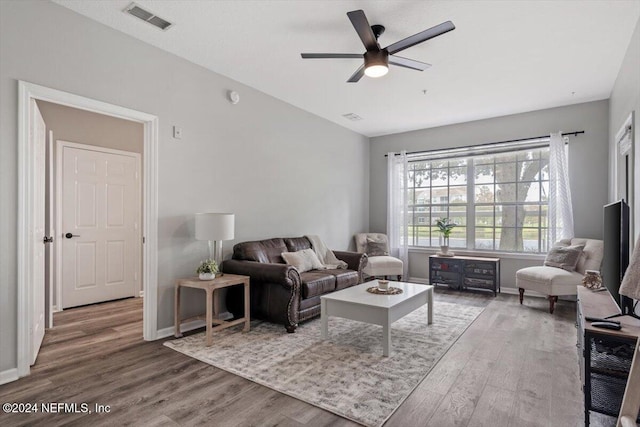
<point>554,281</point>
<point>378,265</point>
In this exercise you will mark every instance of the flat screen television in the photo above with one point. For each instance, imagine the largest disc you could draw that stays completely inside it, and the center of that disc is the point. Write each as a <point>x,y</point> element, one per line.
<point>616,252</point>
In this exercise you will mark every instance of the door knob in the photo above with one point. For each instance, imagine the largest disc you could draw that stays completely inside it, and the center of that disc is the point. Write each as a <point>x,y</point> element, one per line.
<point>69,235</point>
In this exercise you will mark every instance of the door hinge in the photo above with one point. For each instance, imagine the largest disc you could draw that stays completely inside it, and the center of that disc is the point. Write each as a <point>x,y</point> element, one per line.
<point>144,239</point>
<point>47,239</point>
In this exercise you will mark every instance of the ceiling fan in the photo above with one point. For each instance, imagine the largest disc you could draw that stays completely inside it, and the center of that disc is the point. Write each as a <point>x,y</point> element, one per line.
<point>377,60</point>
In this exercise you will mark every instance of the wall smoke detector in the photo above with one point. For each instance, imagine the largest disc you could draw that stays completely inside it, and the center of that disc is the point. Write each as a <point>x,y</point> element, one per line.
<point>233,97</point>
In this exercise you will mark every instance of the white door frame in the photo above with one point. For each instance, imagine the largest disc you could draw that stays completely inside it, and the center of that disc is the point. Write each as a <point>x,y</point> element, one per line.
<point>26,193</point>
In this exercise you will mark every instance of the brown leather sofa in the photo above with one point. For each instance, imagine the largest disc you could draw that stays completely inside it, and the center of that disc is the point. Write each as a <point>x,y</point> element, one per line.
<point>279,293</point>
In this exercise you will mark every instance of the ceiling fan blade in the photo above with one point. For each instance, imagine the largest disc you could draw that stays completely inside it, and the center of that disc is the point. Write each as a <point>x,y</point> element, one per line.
<point>357,75</point>
<point>408,63</point>
<point>360,23</point>
<point>331,55</point>
<point>425,35</point>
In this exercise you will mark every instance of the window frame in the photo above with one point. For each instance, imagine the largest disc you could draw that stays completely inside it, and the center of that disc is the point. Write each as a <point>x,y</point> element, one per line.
<point>415,228</point>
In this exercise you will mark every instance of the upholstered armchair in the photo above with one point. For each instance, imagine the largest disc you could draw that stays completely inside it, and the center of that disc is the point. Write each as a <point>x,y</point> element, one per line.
<point>376,246</point>
<point>561,279</point>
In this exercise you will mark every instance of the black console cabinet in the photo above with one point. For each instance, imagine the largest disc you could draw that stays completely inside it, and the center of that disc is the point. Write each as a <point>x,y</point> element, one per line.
<point>464,272</point>
<point>605,355</point>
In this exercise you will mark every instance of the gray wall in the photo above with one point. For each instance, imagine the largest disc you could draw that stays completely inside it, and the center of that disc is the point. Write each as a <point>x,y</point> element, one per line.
<point>625,98</point>
<point>587,165</point>
<point>283,171</point>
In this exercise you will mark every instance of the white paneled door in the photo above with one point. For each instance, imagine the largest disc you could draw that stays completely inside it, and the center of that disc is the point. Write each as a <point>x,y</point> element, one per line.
<point>100,210</point>
<point>38,134</point>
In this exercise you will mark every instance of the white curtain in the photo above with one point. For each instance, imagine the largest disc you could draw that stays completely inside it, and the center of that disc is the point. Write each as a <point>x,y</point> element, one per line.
<point>560,210</point>
<point>397,203</point>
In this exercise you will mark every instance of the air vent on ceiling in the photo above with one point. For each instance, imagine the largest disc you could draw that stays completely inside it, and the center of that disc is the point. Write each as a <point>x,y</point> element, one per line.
<point>352,116</point>
<point>146,16</point>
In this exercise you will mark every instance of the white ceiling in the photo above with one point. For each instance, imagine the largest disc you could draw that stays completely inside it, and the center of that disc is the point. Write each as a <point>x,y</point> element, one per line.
<point>504,57</point>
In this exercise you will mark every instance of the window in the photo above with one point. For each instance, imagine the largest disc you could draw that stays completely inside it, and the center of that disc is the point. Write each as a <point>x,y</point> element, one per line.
<point>499,200</point>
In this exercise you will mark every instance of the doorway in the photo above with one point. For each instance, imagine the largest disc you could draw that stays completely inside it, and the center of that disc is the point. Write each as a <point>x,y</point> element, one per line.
<point>98,215</point>
<point>100,199</point>
<point>28,190</point>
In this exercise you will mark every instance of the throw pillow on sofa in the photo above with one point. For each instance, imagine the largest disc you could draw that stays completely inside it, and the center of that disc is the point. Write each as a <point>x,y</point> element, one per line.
<point>304,260</point>
<point>564,257</point>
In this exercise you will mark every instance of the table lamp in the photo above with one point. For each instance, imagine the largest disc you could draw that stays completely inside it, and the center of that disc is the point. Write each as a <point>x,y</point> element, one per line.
<point>215,227</point>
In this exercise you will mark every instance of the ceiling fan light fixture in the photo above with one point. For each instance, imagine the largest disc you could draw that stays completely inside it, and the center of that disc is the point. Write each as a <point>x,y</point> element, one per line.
<point>376,70</point>
<point>376,63</point>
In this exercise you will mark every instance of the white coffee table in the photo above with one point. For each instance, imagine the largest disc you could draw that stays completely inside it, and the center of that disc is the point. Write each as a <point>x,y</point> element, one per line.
<point>356,303</point>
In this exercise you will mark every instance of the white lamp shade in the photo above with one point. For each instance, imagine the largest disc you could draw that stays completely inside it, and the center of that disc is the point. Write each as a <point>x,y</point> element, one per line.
<point>215,226</point>
<point>630,286</point>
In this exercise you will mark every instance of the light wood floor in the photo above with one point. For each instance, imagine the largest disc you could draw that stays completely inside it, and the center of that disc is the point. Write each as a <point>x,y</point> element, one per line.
<point>514,366</point>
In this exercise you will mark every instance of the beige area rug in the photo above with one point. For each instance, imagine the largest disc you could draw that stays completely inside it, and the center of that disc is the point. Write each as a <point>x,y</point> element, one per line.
<point>347,374</point>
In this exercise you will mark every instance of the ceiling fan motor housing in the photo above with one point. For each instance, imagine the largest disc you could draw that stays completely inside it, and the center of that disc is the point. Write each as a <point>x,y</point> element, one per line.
<point>376,57</point>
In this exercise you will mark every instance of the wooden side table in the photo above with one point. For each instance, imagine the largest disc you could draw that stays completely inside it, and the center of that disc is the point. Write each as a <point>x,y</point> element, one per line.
<point>210,287</point>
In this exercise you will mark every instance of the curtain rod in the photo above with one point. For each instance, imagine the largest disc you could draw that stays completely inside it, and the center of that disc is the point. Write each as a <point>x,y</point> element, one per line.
<point>574,133</point>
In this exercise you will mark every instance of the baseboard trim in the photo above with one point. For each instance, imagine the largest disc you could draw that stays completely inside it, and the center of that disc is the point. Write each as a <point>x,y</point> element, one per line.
<point>185,327</point>
<point>8,376</point>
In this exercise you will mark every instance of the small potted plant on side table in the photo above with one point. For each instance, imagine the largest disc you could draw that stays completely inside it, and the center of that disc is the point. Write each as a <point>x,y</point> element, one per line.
<point>207,270</point>
<point>444,227</point>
